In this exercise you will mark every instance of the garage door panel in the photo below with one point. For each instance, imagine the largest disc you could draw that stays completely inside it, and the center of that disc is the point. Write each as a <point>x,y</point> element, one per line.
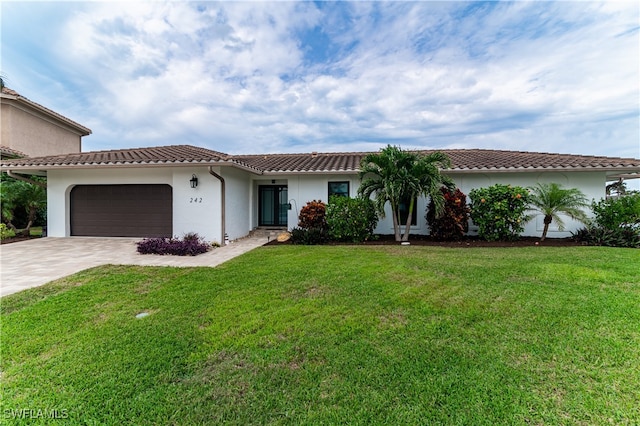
<point>122,210</point>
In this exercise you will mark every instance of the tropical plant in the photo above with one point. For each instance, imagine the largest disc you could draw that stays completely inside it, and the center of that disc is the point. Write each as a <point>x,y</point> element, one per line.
<point>453,224</point>
<point>17,194</point>
<point>351,219</point>
<point>599,236</point>
<point>551,199</point>
<point>499,211</point>
<point>394,175</point>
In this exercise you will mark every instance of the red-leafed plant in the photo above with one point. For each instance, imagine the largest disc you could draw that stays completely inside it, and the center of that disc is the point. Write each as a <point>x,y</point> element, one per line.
<point>313,215</point>
<point>312,224</point>
<point>453,223</point>
<point>190,245</point>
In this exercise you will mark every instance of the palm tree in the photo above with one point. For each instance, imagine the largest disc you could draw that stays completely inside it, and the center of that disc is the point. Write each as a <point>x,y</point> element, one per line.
<point>551,199</point>
<point>394,175</point>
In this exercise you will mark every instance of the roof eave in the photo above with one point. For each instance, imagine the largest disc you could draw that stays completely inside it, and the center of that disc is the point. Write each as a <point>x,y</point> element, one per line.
<point>309,172</point>
<point>129,164</point>
<point>619,169</point>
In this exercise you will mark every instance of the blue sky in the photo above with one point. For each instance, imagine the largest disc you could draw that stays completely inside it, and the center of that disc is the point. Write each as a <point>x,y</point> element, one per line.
<point>257,77</point>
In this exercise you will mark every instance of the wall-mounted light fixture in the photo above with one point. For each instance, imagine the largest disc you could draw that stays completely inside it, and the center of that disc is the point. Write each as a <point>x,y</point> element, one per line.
<point>194,181</point>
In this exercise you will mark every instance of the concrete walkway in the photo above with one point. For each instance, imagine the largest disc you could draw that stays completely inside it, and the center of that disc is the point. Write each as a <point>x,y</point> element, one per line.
<point>35,262</point>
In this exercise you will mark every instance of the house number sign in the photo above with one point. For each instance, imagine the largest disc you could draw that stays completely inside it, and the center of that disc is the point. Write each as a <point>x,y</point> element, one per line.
<point>194,200</point>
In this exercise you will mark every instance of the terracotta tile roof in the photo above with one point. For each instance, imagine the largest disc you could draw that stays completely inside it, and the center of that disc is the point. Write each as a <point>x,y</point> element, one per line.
<point>162,155</point>
<point>483,159</point>
<point>463,160</point>
<point>310,162</point>
<point>13,95</point>
<point>6,152</point>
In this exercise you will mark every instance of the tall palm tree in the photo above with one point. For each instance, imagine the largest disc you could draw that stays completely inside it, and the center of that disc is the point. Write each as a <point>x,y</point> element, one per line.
<point>551,199</point>
<point>394,175</point>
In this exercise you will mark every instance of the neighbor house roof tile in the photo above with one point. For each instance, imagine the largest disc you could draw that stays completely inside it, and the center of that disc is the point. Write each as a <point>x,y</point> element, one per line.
<point>5,151</point>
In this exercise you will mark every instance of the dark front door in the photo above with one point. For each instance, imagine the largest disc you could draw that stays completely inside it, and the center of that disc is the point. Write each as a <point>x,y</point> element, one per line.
<point>273,205</point>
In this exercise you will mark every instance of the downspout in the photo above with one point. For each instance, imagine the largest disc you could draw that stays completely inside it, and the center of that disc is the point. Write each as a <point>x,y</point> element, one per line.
<point>223,196</point>
<point>25,179</point>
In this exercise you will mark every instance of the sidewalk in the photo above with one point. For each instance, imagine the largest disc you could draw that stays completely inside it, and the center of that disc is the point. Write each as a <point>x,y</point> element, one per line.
<point>35,262</point>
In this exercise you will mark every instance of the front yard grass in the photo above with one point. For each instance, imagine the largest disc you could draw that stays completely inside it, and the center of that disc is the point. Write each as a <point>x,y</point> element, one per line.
<point>333,335</point>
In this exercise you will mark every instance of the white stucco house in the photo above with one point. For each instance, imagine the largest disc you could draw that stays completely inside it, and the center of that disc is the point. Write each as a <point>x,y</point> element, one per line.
<point>173,190</point>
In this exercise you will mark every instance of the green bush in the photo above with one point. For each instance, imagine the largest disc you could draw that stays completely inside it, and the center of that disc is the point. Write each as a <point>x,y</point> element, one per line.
<point>453,224</point>
<point>5,232</point>
<point>351,219</point>
<point>613,213</point>
<point>616,223</point>
<point>309,236</point>
<point>499,211</point>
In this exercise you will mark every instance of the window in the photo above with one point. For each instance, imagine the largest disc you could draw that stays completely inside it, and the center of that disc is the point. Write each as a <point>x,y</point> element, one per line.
<point>404,209</point>
<point>340,189</point>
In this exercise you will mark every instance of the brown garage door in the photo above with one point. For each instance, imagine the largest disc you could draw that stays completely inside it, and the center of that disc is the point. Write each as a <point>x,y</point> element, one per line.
<point>122,210</point>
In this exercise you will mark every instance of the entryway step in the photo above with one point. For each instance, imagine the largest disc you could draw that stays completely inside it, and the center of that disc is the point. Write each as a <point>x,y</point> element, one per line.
<point>271,232</point>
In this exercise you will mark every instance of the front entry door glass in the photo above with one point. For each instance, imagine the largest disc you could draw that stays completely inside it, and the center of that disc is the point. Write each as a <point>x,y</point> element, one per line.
<point>273,205</point>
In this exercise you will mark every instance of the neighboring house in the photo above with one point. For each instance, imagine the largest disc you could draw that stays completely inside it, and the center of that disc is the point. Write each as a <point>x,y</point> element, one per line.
<point>29,129</point>
<point>173,190</point>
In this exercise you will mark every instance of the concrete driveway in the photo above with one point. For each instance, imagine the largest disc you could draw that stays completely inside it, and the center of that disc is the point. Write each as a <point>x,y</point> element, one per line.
<point>35,262</point>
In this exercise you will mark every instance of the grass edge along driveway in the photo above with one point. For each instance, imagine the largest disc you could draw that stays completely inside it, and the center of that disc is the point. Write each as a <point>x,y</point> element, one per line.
<point>333,335</point>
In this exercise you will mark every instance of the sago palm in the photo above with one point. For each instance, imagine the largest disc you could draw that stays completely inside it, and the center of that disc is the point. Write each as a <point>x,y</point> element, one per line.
<point>551,200</point>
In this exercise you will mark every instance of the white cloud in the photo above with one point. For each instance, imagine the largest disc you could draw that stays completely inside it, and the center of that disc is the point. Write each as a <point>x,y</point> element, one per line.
<point>241,77</point>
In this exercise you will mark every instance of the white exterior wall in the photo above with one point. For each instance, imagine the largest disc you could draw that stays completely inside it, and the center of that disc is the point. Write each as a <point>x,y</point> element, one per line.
<point>194,210</point>
<point>305,188</point>
<point>238,206</point>
<point>592,184</point>
<point>199,210</point>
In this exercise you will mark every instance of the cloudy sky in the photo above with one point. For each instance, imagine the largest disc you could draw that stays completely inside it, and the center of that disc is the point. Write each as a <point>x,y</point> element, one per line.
<point>257,77</point>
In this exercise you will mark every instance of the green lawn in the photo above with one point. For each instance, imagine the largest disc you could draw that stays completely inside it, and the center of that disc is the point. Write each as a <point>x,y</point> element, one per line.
<point>334,335</point>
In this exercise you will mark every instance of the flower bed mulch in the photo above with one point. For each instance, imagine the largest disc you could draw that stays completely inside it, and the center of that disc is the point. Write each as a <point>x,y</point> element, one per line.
<point>425,240</point>
<point>17,239</point>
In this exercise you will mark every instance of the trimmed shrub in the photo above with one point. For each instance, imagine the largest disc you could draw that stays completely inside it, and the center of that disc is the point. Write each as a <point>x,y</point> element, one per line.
<point>499,211</point>
<point>453,224</point>
<point>351,219</point>
<point>190,245</point>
